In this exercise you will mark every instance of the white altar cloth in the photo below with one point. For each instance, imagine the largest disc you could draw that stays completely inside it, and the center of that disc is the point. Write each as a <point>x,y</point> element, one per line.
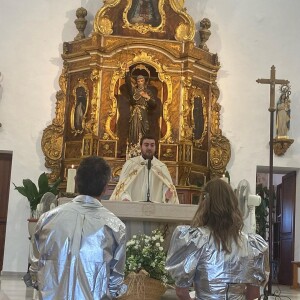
<point>143,217</point>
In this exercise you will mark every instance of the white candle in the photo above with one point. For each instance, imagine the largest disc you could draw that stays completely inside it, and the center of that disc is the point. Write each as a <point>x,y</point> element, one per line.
<point>224,178</point>
<point>71,180</point>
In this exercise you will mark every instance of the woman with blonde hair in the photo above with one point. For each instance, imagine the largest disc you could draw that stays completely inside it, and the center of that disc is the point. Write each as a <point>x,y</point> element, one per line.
<point>214,254</point>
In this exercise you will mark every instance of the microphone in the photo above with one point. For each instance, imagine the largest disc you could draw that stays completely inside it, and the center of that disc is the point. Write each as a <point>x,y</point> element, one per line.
<point>149,164</point>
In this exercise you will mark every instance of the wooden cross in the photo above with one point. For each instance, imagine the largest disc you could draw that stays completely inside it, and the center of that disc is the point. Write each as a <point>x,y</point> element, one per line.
<point>272,81</point>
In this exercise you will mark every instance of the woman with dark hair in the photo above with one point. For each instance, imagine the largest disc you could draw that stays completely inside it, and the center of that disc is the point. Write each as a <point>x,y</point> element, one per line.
<point>214,254</point>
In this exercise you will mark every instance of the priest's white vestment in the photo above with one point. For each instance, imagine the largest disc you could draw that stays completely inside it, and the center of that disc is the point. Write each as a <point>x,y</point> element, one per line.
<point>133,182</point>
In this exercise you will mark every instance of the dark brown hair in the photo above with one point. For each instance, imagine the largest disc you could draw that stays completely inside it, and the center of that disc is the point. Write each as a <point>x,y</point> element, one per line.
<point>218,210</point>
<point>147,137</point>
<point>92,176</point>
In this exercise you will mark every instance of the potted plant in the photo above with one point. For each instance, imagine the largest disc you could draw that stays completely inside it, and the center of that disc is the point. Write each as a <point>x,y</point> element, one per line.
<point>33,193</point>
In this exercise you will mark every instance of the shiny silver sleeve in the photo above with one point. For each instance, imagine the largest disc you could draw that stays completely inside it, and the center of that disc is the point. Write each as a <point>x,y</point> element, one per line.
<point>183,255</point>
<point>116,286</point>
<point>260,251</point>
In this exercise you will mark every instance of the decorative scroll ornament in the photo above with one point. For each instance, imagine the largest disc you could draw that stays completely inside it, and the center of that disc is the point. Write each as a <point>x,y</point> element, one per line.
<point>102,24</point>
<point>52,139</point>
<point>186,30</point>
<point>220,151</point>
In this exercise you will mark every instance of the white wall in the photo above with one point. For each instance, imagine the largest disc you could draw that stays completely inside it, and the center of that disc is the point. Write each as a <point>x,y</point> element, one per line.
<point>249,37</point>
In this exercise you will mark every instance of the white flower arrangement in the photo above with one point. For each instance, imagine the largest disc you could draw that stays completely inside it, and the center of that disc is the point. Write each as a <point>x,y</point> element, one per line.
<point>146,252</point>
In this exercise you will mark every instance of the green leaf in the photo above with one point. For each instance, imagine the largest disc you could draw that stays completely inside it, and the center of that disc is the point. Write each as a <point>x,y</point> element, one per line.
<point>31,189</point>
<point>43,183</point>
<point>21,190</point>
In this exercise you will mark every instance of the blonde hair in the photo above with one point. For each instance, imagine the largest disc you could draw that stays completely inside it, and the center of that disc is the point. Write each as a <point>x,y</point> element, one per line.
<point>218,210</point>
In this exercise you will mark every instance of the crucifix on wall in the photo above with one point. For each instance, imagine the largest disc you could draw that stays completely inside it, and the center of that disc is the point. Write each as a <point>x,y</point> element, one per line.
<point>272,82</point>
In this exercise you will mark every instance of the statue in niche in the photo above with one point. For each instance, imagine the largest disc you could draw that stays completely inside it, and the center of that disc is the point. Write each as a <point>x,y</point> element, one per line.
<point>283,112</point>
<point>141,100</point>
<point>80,108</point>
<point>198,118</point>
<point>144,11</point>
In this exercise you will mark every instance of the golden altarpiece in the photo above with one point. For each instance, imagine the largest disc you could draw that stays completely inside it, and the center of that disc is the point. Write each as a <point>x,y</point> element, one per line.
<point>154,39</point>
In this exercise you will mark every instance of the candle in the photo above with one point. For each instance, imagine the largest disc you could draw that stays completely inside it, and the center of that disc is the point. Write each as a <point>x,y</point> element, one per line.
<point>71,180</point>
<point>224,178</point>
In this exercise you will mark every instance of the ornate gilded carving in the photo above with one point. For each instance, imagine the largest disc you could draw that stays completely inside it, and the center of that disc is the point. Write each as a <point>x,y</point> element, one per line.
<point>281,145</point>
<point>102,24</point>
<point>89,145</point>
<point>91,125</point>
<point>139,24</point>
<point>181,76</point>
<point>220,151</point>
<point>109,134</point>
<point>52,142</point>
<point>186,30</point>
<point>52,139</point>
<point>80,107</point>
<point>190,95</point>
<point>215,111</point>
<point>73,149</point>
<point>107,149</point>
<point>168,152</point>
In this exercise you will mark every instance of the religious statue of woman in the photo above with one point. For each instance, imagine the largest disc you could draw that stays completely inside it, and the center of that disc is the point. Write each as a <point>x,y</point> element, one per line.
<point>283,114</point>
<point>141,100</point>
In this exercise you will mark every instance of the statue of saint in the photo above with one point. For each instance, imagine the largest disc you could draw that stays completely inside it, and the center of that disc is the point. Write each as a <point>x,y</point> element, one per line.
<point>80,108</point>
<point>141,100</point>
<point>283,114</point>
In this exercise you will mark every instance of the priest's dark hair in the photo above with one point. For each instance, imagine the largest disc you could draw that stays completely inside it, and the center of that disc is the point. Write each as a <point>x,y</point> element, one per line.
<point>146,137</point>
<point>93,174</point>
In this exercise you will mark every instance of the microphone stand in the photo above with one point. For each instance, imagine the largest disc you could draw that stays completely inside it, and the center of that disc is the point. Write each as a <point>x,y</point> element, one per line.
<point>148,191</point>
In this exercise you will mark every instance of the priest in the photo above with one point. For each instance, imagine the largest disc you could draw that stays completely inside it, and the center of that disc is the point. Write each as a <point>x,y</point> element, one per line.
<point>145,178</point>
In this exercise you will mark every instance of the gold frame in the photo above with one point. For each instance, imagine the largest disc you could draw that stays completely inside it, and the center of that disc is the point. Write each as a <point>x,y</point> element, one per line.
<point>141,27</point>
<point>185,31</point>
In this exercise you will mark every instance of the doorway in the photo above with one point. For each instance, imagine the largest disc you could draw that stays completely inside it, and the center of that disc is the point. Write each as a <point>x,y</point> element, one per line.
<point>5,173</point>
<point>283,221</point>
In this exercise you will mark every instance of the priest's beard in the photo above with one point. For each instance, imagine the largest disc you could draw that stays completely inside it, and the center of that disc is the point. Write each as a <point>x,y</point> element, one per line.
<point>147,155</point>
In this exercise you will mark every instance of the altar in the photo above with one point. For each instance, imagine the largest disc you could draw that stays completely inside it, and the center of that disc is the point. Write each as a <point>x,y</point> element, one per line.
<point>143,217</point>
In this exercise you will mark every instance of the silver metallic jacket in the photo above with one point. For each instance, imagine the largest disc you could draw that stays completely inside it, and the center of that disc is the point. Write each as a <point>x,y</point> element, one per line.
<point>82,250</point>
<point>193,258</point>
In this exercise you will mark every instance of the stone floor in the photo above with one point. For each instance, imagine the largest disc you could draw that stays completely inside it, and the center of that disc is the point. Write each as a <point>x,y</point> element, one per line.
<point>12,287</point>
